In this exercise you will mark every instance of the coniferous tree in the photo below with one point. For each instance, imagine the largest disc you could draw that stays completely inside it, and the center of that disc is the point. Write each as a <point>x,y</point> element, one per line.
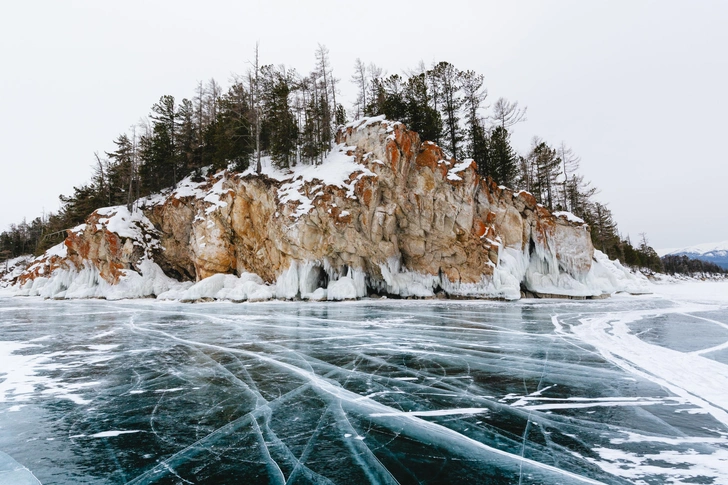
<point>446,81</point>
<point>421,116</point>
<point>121,171</point>
<point>648,256</point>
<point>394,104</point>
<point>279,123</point>
<point>547,167</point>
<point>603,229</point>
<point>232,135</point>
<point>579,194</point>
<point>158,152</point>
<point>504,161</point>
<point>327,92</point>
<point>376,93</point>
<point>189,143</point>
<point>477,139</point>
<point>341,118</point>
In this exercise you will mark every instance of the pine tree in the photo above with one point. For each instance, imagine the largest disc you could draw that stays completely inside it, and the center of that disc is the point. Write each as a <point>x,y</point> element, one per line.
<point>603,229</point>
<point>447,81</point>
<point>579,194</point>
<point>421,116</point>
<point>570,166</point>
<point>547,167</point>
<point>232,136</point>
<point>375,94</point>
<point>477,141</point>
<point>121,171</point>
<point>188,141</point>
<point>279,121</point>
<point>394,105</point>
<point>504,161</point>
<point>157,149</point>
<point>327,93</point>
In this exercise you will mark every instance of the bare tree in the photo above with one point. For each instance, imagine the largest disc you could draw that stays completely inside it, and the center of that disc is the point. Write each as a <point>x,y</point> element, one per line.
<point>200,101</point>
<point>507,114</point>
<point>134,170</point>
<point>256,96</point>
<point>329,82</point>
<point>213,93</point>
<point>101,177</point>
<point>570,164</point>
<point>360,79</point>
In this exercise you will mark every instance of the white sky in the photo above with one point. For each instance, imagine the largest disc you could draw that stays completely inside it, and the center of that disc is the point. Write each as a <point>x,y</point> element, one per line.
<point>637,88</point>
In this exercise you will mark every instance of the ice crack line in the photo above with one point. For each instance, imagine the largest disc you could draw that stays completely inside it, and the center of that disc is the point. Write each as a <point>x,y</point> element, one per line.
<point>699,380</point>
<point>415,427</point>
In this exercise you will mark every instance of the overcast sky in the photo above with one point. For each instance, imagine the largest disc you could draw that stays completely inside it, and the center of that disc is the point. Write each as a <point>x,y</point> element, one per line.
<point>636,88</point>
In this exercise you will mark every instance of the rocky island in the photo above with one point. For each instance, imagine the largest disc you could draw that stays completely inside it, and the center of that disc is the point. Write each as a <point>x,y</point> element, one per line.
<point>384,214</point>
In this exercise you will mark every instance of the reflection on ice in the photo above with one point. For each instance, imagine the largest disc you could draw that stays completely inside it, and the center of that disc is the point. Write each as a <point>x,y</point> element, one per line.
<point>366,392</point>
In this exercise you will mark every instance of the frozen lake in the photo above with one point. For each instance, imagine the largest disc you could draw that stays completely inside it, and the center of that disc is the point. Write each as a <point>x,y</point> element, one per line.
<point>625,390</point>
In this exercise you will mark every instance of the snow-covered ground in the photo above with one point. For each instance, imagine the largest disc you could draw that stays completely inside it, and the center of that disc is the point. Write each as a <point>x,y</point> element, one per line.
<point>693,290</point>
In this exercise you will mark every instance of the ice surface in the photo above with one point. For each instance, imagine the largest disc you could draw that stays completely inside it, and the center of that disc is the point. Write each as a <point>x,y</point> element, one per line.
<point>364,392</point>
<point>13,473</point>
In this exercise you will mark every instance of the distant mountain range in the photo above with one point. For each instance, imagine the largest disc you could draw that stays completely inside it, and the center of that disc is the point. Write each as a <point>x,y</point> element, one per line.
<point>714,252</point>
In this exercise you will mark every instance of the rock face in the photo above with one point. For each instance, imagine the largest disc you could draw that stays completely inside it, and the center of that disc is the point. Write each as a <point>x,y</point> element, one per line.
<point>384,213</point>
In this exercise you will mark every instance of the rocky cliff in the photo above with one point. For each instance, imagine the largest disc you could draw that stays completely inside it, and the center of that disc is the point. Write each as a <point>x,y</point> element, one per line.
<point>385,213</point>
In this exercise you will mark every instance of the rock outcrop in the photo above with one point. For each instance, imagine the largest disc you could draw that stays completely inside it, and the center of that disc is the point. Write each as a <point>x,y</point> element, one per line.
<point>385,213</point>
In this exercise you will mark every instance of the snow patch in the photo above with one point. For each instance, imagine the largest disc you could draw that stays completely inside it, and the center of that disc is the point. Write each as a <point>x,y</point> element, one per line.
<point>335,170</point>
<point>452,174</point>
<point>568,216</point>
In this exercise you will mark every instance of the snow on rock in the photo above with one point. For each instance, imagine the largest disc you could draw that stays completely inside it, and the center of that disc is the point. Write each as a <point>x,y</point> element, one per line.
<point>133,226</point>
<point>336,170</point>
<point>452,174</point>
<point>14,267</point>
<point>383,213</point>
<point>569,217</point>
